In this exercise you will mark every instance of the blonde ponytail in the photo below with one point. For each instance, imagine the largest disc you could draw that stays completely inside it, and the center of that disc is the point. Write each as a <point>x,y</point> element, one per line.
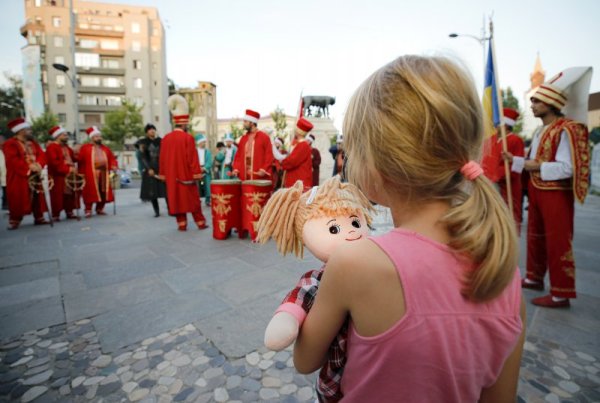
<point>482,228</point>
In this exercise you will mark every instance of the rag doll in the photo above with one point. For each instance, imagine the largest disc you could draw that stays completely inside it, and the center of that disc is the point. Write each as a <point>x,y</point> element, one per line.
<point>320,220</point>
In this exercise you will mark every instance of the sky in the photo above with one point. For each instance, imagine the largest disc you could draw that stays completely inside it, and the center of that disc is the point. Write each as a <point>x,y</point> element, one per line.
<point>264,53</point>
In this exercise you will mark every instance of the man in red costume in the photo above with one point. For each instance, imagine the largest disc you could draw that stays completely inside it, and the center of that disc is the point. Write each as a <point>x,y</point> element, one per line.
<point>558,164</point>
<point>24,157</point>
<point>180,169</point>
<point>493,163</point>
<point>61,161</point>
<point>96,162</point>
<point>316,160</point>
<point>298,164</point>
<point>254,157</point>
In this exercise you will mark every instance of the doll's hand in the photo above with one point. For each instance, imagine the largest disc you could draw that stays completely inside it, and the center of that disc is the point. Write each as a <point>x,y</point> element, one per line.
<point>281,331</point>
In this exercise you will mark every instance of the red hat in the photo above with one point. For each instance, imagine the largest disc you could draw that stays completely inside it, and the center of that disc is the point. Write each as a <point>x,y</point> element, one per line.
<point>17,125</point>
<point>252,116</point>
<point>510,116</point>
<point>56,131</point>
<point>304,125</point>
<point>93,131</point>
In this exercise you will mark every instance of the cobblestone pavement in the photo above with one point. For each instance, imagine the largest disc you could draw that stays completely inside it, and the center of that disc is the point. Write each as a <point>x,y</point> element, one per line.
<point>65,363</point>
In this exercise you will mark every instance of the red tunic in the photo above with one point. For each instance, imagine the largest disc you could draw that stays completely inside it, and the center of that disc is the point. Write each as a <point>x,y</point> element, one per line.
<point>60,159</point>
<point>298,166</point>
<point>179,165</point>
<point>17,175</point>
<point>260,157</point>
<point>316,163</point>
<point>87,166</point>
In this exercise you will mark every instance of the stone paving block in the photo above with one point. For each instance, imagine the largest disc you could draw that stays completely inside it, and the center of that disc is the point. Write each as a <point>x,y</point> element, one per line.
<point>19,318</point>
<point>130,269</point>
<point>71,283</point>
<point>119,328</point>
<point>30,272</point>
<point>88,303</point>
<point>260,282</point>
<point>238,332</point>
<point>205,274</point>
<point>29,291</point>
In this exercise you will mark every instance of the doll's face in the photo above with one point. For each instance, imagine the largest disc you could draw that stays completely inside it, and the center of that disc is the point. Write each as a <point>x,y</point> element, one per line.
<point>322,235</point>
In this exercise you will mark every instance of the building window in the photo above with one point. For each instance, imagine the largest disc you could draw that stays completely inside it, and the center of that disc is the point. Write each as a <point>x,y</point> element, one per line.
<point>137,64</point>
<point>60,98</point>
<point>156,101</point>
<point>136,46</point>
<point>62,118</point>
<point>154,65</point>
<point>56,22</point>
<point>60,81</point>
<point>59,59</point>
<point>38,3</point>
<point>113,101</point>
<point>111,82</point>
<point>91,119</point>
<point>87,60</point>
<point>138,101</point>
<point>88,43</point>
<point>156,118</point>
<point>110,63</point>
<point>59,41</point>
<point>90,81</point>
<point>119,28</point>
<point>109,45</point>
<point>135,27</point>
<point>137,83</point>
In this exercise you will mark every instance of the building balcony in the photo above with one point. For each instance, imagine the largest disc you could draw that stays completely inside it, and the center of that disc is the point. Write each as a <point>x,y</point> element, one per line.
<point>102,90</point>
<point>31,26</point>
<point>102,52</point>
<point>100,71</point>
<point>99,32</point>
<point>98,108</point>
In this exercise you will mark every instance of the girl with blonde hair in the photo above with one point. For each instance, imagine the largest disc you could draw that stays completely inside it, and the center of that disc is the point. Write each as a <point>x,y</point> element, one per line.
<point>435,304</point>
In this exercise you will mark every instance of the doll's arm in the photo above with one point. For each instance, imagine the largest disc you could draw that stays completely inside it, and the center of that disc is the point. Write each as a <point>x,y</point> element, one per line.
<point>282,330</point>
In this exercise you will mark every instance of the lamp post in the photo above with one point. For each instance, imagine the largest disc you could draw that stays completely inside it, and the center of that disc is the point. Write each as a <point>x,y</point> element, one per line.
<point>480,39</point>
<point>74,84</point>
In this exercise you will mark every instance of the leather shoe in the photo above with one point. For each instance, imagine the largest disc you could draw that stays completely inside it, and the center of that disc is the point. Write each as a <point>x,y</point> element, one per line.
<point>203,226</point>
<point>532,286</point>
<point>547,302</point>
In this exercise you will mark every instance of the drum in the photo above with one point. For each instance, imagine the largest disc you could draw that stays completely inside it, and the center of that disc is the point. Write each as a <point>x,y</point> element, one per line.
<point>226,206</point>
<point>255,194</point>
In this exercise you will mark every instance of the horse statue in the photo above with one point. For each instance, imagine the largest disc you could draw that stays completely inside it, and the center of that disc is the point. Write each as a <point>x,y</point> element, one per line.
<point>317,105</point>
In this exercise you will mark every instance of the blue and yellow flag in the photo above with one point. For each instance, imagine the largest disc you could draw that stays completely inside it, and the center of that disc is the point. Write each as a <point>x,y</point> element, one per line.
<point>491,114</point>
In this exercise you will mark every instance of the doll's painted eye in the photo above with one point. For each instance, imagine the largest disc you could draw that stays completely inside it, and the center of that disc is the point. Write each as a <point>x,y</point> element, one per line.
<point>334,229</point>
<point>356,223</point>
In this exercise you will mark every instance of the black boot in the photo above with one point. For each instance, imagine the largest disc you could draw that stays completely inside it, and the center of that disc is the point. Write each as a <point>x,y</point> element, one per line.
<point>155,207</point>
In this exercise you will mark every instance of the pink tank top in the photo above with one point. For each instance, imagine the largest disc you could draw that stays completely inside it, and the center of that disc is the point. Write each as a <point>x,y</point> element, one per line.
<point>445,348</point>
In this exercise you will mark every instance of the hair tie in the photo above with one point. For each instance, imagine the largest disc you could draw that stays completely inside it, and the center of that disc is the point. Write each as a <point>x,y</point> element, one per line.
<point>471,170</point>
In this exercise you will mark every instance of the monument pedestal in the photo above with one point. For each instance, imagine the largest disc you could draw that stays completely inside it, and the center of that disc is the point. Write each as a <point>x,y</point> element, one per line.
<point>323,131</point>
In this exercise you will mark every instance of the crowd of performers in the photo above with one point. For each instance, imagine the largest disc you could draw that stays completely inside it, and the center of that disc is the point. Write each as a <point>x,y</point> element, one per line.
<point>238,180</point>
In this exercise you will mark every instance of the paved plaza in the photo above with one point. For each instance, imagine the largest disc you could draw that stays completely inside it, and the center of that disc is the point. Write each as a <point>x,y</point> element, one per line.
<point>126,308</point>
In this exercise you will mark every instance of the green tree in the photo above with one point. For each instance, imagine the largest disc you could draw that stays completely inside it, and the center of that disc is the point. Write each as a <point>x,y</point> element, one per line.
<point>42,125</point>
<point>11,102</point>
<point>172,87</point>
<point>123,123</point>
<point>510,101</point>
<point>236,131</point>
<point>278,117</point>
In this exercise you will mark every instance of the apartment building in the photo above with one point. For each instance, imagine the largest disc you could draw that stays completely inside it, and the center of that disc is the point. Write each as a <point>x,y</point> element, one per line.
<point>119,53</point>
<point>202,101</point>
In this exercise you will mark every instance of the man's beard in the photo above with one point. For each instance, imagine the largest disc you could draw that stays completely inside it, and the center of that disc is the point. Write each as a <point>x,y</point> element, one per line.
<point>99,141</point>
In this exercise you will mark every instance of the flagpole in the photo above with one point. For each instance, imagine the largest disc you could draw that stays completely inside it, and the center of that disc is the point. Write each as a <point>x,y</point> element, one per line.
<point>501,116</point>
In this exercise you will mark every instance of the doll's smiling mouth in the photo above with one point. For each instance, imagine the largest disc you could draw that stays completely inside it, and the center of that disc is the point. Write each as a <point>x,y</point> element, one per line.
<point>355,239</point>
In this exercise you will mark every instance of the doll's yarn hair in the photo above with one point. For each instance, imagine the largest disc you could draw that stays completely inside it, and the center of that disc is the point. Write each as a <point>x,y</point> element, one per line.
<point>287,211</point>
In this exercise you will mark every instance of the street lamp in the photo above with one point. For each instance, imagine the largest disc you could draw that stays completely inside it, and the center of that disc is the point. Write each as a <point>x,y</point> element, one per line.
<point>74,84</point>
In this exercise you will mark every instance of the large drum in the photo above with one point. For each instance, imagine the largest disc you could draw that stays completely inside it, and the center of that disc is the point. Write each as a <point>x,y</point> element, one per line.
<point>226,201</point>
<point>255,194</point>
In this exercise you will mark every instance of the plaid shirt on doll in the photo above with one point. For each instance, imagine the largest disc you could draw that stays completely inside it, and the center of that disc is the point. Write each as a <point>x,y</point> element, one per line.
<point>330,376</point>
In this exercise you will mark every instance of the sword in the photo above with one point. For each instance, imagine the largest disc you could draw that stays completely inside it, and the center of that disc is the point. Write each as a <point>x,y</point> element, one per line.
<point>114,190</point>
<point>46,188</point>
